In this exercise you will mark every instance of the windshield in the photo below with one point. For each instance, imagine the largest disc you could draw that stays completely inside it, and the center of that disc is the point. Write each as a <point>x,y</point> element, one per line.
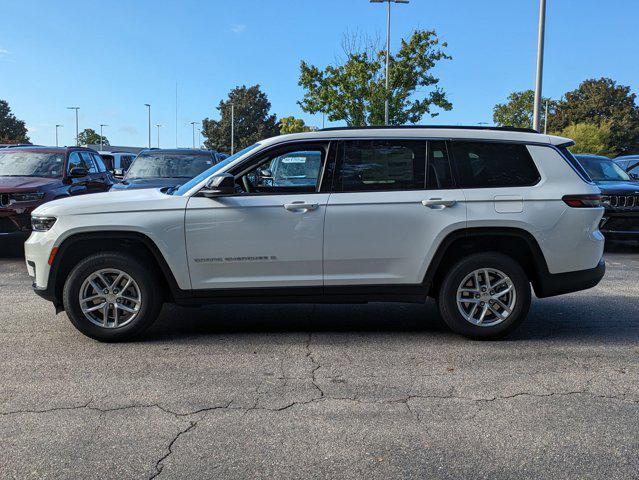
<point>207,173</point>
<point>31,164</point>
<point>603,169</point>
<point>169,165</point>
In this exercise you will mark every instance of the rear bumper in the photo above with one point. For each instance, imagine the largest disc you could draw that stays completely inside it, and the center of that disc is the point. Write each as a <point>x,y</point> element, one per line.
<point>560,283</point>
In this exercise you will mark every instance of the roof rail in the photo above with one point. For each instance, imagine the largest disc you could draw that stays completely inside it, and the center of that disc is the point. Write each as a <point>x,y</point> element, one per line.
<point>453,127</point>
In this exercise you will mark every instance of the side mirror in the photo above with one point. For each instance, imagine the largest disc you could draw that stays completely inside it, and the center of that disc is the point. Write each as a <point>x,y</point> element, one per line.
<point>78,172</point>
<point>118,173</point>
<point>219,185</point>
<point>265,173</point>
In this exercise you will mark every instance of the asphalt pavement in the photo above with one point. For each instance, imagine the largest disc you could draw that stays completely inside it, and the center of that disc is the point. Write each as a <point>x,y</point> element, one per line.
<point>378,391</point>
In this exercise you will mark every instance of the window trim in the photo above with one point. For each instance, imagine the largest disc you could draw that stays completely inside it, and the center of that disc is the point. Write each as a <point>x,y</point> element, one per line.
<point>451,166</point>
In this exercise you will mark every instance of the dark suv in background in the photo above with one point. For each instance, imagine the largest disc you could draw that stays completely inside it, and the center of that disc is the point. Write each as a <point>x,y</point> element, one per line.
<point>31,176</point>
<point>156,168</point>
<point>620,195</point>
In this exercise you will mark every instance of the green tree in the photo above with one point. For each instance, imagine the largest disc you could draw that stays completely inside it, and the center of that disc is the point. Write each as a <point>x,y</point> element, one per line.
<point>589,138</point>
<point>12,130</point>
<point>253,120</point>
<point>354,90</point>
<point>518,110</point>
<point>599,101</point>
<point>293,125</point>
<point>88,136</point>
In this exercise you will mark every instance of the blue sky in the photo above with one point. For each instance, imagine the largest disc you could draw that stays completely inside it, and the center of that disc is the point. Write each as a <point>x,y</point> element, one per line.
<point>112,57</point>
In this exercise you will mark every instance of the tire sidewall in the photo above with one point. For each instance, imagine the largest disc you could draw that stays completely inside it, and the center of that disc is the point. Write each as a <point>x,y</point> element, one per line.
<point>448,295</point>
<point>151,300</point>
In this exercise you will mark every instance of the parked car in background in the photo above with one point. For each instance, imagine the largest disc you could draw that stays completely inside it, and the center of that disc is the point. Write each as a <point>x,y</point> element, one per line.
<point>630,164</point>
<point>117,162</point>
<point>155,168</point>
<point>620,195</point>
<point>31,176</point>
<point>475,217</point>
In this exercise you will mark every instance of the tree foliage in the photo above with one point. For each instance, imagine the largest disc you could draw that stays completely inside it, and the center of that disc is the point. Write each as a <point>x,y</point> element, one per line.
<point>589,138</point>
<point>12,130</point>
<point>293,125</point>
<point>354,90</point>
<point>88,136</point>
<point>518,110</point>
<point>253,120</point>
<point>598,102</point>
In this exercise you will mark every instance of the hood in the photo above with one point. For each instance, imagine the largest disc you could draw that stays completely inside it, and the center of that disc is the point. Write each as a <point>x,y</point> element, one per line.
<point>17,184</point>
<point>622,188</point>
<point>124,201</point>
<point>149,183</point>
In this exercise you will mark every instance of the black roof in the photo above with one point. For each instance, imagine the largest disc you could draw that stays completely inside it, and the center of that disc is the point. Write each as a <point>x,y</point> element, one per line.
<point>453,127</point>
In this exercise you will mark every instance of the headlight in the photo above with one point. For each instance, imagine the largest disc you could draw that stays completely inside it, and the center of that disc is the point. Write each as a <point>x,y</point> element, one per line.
<point>26,197</point>
<point>42,224</point>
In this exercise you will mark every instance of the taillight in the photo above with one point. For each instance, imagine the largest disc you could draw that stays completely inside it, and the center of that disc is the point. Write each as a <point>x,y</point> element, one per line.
<point>582,201</point>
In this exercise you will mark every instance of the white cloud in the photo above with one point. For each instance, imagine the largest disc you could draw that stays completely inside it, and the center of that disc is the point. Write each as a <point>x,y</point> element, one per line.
<point>237,28</point>
<point>3,52</point>
<point>129,129</point>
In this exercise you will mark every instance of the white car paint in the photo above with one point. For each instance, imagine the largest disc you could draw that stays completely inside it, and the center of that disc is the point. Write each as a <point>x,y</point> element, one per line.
<point>345,238</point>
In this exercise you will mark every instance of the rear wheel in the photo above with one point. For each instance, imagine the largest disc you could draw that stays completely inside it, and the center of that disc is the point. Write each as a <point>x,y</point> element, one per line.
<point>112,297</point>
<point>485,296</point>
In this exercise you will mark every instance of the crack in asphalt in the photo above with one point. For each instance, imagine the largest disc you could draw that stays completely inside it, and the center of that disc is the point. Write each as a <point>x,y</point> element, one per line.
<point>159,465</point>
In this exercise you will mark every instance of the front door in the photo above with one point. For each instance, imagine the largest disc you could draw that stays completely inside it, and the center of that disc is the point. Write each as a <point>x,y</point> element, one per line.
<point>268,234</point>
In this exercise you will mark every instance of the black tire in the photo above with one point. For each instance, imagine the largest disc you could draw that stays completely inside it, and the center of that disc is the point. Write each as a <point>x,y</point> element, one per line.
<point>146,279</point>
<point>447,298</point>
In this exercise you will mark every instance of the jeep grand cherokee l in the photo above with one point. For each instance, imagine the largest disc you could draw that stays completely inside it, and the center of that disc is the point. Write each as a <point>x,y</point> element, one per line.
<point>470,216</point>
<point>31,176</point>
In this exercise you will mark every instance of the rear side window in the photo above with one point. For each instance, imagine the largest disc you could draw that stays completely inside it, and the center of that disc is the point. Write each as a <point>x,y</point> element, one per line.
<point>491,164</point>
<point>438,172</point>
<point>125,161</point>
<point>382,165</point>
<point>108,160</point>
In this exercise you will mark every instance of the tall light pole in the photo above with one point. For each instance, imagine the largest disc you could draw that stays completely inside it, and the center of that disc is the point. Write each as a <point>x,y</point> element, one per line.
<point>77,133</point>
<point>101,137</point>
<point>546,119</point>
<point>148,106</point>
<point>56,133</point>
<point>540,64</point>
<point>232,129</point>
<point>158,125</point>
<point>193,124</point>
<point>388,31</point>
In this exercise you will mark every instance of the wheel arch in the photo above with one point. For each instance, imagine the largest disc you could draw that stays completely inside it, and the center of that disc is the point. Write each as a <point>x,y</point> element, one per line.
<point>516,243</point>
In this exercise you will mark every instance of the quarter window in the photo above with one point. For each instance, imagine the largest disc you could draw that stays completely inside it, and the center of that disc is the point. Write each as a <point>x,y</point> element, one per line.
<point>486,164</point>
<point>382,165</point>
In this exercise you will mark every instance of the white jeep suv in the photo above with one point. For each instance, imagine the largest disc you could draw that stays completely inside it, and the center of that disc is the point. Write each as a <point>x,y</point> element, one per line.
<point>470,216</point>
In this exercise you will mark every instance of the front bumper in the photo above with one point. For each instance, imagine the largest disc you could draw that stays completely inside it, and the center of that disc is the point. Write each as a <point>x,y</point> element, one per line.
<point>620,224</point>
<point>550,284</point>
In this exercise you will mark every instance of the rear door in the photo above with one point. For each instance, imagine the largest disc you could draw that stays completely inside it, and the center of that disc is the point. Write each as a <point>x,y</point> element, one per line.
<point>393,201</point>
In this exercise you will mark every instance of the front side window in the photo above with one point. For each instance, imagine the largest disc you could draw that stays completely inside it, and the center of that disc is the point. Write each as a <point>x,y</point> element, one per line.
<point>381,165</point>
<point>77,161</point>
<point>493,164</point>
<point>290,171</point>
<point>99,162</point>
<point>31,164</point>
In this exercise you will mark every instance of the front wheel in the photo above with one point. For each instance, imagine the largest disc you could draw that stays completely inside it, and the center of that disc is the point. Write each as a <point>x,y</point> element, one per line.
<point>485,296</point>
<point>112,297</point>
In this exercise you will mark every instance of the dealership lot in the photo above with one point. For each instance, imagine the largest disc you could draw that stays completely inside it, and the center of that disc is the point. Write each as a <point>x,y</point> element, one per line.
<point>324,391</point>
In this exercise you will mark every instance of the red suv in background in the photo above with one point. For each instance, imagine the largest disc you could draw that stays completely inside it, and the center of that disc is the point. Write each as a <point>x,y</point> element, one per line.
<point>31,176</point>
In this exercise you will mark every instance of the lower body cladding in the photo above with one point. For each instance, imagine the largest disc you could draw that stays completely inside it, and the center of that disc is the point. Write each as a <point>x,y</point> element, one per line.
<point>618,225</point>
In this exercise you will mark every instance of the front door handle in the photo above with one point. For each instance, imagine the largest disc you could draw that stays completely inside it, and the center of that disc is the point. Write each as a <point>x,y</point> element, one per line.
<point>438,203</point>
<point>300,206</point>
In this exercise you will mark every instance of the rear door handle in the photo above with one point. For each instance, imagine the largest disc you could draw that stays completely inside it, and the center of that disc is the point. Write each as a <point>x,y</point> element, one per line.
<point>438,203</point>
<point>300,206</point>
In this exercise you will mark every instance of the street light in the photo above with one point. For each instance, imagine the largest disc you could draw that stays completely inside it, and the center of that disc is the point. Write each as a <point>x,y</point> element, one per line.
<point>540,64</point>
<point>148,105</point>
<point>193,124</point>
<point>386,106</point>
<point>77,134</point>
<point>232,129</point>
<point>158,125</point>
<point>101,137</point>
<point>56,133</point>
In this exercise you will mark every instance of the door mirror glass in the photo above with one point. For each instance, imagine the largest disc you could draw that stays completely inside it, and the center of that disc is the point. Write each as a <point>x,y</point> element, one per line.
<point>78,172</point>
<point>219,185</point>
<point>118,173</point>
